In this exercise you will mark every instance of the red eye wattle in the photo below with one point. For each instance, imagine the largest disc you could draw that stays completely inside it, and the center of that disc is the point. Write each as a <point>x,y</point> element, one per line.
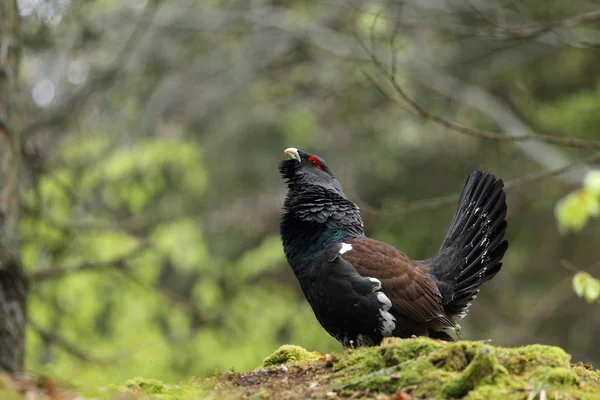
<point>315,161</point>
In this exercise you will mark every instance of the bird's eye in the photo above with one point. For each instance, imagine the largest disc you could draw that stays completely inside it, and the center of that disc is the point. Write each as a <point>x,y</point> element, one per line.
<point>315,161</point>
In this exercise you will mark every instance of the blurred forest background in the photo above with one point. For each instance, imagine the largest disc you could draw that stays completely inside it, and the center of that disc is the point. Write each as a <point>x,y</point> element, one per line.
<point>139,145</point>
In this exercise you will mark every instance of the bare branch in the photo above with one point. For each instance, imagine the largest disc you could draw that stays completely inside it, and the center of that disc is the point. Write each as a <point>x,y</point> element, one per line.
<point>503,32</point>
<point>415,109</point>
<point>435,202</point>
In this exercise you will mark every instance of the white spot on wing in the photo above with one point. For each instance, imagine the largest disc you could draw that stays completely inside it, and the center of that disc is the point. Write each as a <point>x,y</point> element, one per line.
<point>384,300</point>
<point>377,283</point>
<point>386,320</point>
<point>388,323</point>
<point>345,248</point>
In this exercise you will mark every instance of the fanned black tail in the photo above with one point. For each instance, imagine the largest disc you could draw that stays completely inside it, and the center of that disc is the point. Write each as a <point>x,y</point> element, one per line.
<point>474,246</point>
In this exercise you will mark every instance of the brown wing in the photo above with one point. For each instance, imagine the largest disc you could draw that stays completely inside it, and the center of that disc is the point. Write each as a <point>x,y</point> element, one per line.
<point>404,281</point>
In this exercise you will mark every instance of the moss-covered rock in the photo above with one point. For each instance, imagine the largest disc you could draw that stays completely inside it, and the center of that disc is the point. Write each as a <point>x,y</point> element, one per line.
<point>289,353</point>
<point>149,386</point>
<point>416,368</point>
<point>421,368</point>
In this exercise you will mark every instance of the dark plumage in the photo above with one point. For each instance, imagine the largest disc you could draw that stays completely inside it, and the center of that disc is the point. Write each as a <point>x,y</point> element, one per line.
<point>362,290</point>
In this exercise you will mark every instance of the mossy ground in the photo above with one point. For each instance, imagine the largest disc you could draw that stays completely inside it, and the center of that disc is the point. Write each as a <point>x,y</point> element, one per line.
<point>399,369</point>
<point>422,368</point>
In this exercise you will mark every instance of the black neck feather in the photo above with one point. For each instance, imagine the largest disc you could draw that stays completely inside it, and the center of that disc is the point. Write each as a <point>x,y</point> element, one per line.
<point>315,219</point>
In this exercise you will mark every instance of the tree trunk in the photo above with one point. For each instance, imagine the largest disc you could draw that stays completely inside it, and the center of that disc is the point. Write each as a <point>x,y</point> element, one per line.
<point>13,282</point>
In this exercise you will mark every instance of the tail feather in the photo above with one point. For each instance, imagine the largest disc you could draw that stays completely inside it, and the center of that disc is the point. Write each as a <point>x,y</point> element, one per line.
<point>472,251</point>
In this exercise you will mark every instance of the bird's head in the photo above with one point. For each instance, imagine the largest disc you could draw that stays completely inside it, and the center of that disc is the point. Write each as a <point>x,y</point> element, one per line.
<point>304,171</point>
<point>316,213</point>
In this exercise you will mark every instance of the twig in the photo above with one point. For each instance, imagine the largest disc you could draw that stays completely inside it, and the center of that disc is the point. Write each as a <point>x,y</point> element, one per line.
<point>500,32</point>
<point>415,108</point>
<point>435,202</point>
<point>65,344</point>
<point>537,176</point>
<point>372,28</point>
<point>419,111</point>
<point>569,266</point>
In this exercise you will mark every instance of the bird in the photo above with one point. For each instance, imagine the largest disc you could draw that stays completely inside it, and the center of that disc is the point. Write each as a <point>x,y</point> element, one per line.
<point>362,290</point>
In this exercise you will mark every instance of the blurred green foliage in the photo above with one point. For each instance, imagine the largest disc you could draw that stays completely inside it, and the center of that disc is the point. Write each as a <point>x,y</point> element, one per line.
<point>575,209</point>
<point>572,213</point>
<point>119,317</point>
<point>151,206</point>
<point>587,287</point>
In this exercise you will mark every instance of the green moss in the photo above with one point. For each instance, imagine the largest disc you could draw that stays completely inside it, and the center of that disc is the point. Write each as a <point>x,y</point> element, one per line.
<point>425,368</point>
<point>392,351</point>
<point>364,358</point>
<point>148,386</point>
<point>481,368</point>
<point>421,378</point>
<point>556,376</point>
<point>587,373</point>
<point>421,367</point>
<point>455,356</point>
<point>376,384</point>
<point>395,351</point>
<point>520,359</point>
<point>289,353</point>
